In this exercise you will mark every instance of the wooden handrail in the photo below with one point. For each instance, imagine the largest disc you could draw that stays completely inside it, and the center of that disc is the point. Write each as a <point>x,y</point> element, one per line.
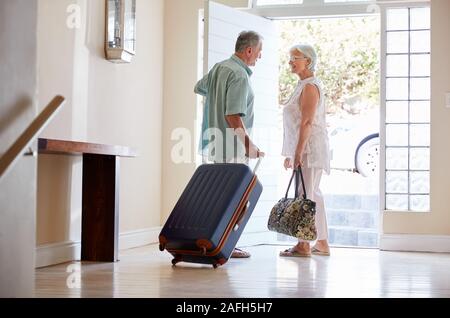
<point>34,129</point>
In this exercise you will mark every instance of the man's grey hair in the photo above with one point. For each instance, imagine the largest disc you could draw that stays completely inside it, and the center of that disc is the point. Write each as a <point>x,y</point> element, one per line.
<point>247,39</point>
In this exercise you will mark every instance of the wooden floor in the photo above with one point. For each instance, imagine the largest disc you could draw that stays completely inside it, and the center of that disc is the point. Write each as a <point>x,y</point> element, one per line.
<point>147,272</point>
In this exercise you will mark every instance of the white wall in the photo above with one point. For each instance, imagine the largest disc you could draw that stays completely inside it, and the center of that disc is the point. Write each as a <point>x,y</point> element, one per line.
<point>18,83</point>
<point>438,221</point>
<point>180,101</point>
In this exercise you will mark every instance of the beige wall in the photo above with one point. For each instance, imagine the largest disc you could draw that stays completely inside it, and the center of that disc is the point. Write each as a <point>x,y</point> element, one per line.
<point>180,74</point>
<point>438,221</point>
<point>181,25</point>
<point>106,103</point>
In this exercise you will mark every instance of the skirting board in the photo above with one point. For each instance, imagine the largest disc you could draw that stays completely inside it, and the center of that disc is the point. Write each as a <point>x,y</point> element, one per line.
<point>57,253</point>
<point>415,243</point>
<point>139,238</point>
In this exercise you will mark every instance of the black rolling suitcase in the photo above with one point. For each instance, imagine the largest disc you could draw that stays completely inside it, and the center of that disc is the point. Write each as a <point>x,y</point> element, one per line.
<point>211,214</point>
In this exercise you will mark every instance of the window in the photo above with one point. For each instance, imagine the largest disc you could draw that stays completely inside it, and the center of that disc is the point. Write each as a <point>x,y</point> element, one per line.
<point>330,1</point>
<point>286,9</point>
<point>284,2</point>
<point>277,2</point>
<point>407,109</point>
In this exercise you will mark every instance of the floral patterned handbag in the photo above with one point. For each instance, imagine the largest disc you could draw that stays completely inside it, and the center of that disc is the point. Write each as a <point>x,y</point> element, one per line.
<point>294,217</point>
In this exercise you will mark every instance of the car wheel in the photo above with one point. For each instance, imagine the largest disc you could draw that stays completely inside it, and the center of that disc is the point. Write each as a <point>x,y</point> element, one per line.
<point>367,156</point>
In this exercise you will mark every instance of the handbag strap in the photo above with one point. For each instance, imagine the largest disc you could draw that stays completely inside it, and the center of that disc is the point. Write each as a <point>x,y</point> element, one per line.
<point>297,174</point>
<point>289,186</point>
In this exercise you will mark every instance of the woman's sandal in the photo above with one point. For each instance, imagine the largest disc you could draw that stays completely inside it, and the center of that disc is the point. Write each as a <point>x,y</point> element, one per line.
<point>291,252</point>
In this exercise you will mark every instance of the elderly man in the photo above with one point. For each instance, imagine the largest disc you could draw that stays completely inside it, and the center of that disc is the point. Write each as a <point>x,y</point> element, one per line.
<point>228,110</point>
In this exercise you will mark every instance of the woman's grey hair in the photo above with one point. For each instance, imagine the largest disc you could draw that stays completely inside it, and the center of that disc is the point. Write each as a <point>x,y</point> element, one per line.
<point>247,39</point>
<point>309,52</point>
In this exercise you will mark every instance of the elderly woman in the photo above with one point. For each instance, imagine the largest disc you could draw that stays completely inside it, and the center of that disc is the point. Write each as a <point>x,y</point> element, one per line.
<point>305,142</point>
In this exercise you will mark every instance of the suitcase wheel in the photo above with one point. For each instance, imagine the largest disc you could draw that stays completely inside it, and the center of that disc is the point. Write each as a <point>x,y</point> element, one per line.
<point>175,261</point>
<point>162,247</point>
<point>215,266</point>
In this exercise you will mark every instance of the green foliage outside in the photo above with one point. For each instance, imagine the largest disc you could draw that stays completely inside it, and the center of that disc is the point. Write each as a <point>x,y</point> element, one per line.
<point>348,65</point>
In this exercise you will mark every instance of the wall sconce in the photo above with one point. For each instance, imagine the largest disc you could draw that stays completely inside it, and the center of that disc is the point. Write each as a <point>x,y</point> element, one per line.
<point>120,46</point>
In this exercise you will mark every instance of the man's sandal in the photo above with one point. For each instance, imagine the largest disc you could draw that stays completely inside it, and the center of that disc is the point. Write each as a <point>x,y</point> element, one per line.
<point>315,251</point>
<point>238,253</point>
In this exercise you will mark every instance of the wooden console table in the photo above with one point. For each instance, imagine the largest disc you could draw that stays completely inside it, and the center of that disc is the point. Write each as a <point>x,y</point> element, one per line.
<point>100,194</point>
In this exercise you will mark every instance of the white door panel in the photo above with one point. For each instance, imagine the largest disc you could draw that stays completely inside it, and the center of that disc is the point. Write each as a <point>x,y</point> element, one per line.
<point>221,44</point>
<point>222,27</point>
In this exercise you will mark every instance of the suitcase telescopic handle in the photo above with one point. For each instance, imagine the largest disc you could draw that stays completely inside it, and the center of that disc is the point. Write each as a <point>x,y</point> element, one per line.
<point>247,206</point>
<point>257,165</point>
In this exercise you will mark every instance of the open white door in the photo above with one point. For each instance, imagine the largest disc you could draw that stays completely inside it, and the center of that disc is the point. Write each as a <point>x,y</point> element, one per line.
<point>222,27</point>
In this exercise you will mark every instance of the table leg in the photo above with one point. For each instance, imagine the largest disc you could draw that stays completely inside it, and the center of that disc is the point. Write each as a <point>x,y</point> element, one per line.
<point>100,208</point>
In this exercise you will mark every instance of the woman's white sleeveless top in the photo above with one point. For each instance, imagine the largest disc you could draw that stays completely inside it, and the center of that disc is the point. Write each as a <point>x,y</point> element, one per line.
<point>317,147</point>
